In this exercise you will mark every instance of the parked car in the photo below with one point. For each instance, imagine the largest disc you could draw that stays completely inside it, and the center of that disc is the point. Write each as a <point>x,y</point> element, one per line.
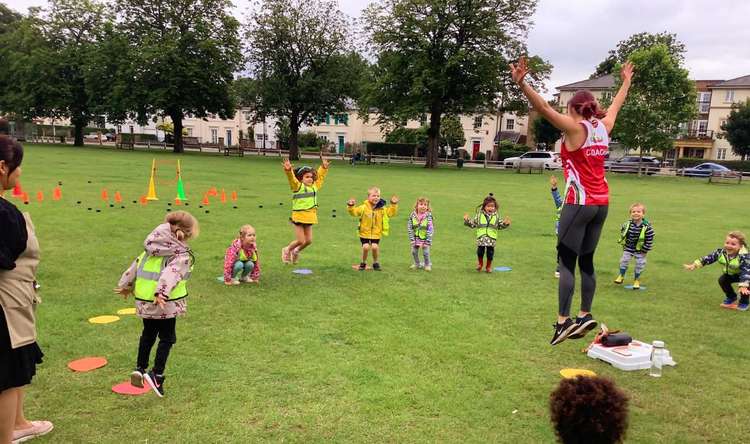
<point>630,164</point>
<point>705,170</point>
<point>534,159</point>
<point>93,137</point>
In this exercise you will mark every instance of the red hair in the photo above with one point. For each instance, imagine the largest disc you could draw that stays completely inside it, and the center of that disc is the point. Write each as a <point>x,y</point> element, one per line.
<point>584,103</point>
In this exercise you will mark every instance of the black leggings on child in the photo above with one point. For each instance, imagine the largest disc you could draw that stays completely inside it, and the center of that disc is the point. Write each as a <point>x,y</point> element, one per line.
<point>726,281</point>
<point>490,252</point>
<point>165,329</point>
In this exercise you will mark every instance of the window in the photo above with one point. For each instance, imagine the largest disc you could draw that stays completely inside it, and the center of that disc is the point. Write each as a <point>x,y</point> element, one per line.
<point>702,127</point>
<point>423,119</point>
<point>228,139</point>
<point>189,130</point>
<point>214,135</point>
<point>704,102</point>
<point>721,154</point>
<point>722,122</point>
<point>607,96</point>
<point>729,96</point>
<point>477,122</point>
<point>323,136</point>
<point>509,124</point>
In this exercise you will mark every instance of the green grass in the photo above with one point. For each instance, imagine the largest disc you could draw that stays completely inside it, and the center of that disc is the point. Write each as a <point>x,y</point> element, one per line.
<point>396,356</point>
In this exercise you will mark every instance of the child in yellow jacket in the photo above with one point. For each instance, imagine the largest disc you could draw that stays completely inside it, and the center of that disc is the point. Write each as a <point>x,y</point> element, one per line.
<point>373,222</point>
<point>305,183</point>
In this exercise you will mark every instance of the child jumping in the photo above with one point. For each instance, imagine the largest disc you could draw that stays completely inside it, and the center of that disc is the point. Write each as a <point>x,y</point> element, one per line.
<point>157,278</point>
<point>637,239</point>
<point>373,224</point>
<point>735,260</point>
<point>421,229</point>
<point>558,208</point>
<point>241,259</point>
<point>305,183</point>
<point>487,223</point>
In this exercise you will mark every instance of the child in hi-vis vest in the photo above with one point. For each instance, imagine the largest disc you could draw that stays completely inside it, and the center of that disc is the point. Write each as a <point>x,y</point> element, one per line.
<point>373,223</point>
<point>241,262</point>
<point>421,229</point>
<point>735,263</point>
<point>157,278</point>
<point>487,223</point>
<point>305,183</point>
<point>637,239</point>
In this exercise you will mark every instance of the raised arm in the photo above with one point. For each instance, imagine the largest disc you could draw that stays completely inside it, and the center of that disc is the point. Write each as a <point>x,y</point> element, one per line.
<point>627,76</point>
<point>560,121</point>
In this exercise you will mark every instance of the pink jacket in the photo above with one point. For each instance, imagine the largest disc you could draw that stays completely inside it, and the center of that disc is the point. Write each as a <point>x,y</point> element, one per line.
<point>233,255</point>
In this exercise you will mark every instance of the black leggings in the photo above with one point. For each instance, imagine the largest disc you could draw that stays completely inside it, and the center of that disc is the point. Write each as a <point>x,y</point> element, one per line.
<point>578,236</point>
<point>165,329</point>
<point>726,281</point>
<point>490,252</point>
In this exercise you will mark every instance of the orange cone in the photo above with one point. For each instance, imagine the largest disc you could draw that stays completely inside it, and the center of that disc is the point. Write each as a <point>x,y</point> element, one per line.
<point>212,192</point>
<point>39,196</point>
<point>118,197</point>
<point>223,197</point>
<point>105,195</point>
<point>144,200</point>
<point>177,201</point>
<point>25,197</point>
<point>57,193</point>
<point>205,199</point>
<point>234,196</point>
<point>17,190</point>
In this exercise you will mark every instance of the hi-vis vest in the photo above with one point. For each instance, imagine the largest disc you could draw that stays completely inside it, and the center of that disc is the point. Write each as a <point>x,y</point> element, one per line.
<point>731,266</point>
<point>420,227</point>
<point>305,198</point>
<point>244,258</point>
<point>147,277</point>
<point>641,236</point>
<point>487,226</point>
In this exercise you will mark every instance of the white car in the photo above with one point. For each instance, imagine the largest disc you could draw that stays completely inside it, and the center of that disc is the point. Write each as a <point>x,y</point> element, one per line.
<point>534,159</point>
<point>93,137</point>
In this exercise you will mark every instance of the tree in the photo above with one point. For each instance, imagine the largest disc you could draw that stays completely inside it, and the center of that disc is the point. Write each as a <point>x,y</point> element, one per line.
<point>7,18</point>
<point>301,59</point>
<point>442,57</point>
<point>544,132</point>
<point>638,41</point>
<point>452,133</point>
<point>184,56</point>
<point>737,129</point>
<point>661,97</point>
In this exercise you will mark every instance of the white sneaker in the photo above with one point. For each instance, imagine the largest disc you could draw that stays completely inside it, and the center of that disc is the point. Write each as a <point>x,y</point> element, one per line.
<point>247,279</point>
<point>428,268</point>
<point>557,274</point>
<point>235,282</point>
<point>415,266</point>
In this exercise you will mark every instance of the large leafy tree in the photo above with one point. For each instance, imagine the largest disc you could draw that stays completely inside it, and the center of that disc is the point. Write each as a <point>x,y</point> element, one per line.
<point>183,56</point>
<point>442,57</point>
<point>642,40</point>
<point>661,97</point>
<point>544,132</point>
<point>737,129</point>
<point>7,17</point>
<point>301,58</point>
<point>452,133</point>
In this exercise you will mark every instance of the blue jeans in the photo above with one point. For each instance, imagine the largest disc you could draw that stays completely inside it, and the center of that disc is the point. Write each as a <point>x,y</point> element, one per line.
<point>242,267</point>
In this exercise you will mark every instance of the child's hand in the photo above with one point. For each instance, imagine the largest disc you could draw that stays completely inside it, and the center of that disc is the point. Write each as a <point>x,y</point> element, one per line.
<point>506,221</point>
<point>690,267</point>
<point>394,199</point>
<point>351,202</point>
<point>287,165</point>
<point>466,217</point>
<point>552,182</point>
<point>326,163</point>
<point>744,291</point>
<point>124,292</point>
<point>160,300</point>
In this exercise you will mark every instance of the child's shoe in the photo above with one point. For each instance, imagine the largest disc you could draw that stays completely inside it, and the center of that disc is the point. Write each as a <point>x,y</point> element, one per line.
<point>362,266</point>
<point>619,279</point>
<point>488,268</point>
<point>636,284</point>
<point>376,266</point>
<point>136,377</point>
<point>248,280</point>
<point>743,305</point>
<point>415,266</point>
<point>730,302</point>
<point>156,382</point>
<point>480,265</point>
<point>557,274</point>
<point>285,257</point>
<point>234,281</point>
<point>294,255</point>
<point>428,268</point>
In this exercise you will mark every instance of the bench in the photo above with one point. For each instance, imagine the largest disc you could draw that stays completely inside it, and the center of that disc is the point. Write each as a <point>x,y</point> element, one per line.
<point>725,177</point>
<point>529,169</point>
<point>229,150</point>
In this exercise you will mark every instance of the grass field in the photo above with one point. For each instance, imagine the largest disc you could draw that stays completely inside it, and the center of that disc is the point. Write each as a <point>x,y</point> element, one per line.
<point>396,356</point>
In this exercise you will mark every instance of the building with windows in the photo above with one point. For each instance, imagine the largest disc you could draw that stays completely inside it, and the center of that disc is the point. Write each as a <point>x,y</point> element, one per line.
<point>723,96</point>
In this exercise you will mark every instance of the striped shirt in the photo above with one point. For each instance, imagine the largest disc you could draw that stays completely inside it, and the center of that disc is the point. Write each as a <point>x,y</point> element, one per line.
<point>631,237</point>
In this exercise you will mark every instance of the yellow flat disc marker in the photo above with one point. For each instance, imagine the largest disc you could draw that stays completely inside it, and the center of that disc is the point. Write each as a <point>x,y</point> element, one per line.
<point>126,311</point>
<point>570,373</point>
<point>106,319</point>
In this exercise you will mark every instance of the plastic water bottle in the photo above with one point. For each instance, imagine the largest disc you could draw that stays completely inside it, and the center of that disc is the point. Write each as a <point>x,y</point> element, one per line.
<point>657,359</point>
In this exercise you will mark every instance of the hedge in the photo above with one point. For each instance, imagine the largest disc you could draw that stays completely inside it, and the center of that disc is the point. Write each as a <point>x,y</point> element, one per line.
<point>139,137</point>
<point>736,165</point>
<point>394,149</point>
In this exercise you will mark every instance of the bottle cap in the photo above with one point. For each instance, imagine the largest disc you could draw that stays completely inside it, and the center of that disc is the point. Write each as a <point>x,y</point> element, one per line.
<point>658,344</point>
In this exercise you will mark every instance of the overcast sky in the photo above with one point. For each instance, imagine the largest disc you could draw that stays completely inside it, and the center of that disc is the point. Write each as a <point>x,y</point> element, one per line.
<point>575,35</point>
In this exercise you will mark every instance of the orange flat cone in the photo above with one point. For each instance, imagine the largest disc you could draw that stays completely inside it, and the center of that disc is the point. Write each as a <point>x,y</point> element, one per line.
<point>144,200</point>
<point>25,197</point>
<point>118,197</point>
<point>177,201</point>
<point>212,192</point>
<point>223,197</point>
<point>39,196</point>
<point>17,190</point>
<point>105,195</point>
<point>205,199</point>
<point>234,196</point>
<point>57,193</point>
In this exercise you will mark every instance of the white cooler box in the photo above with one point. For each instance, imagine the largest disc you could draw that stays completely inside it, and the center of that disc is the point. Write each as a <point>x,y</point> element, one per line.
<point>634,356</point>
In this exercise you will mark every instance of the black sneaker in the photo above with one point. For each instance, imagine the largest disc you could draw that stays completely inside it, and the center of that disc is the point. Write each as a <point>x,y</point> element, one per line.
<point>583,326</point>
<point>376,266</point>
<point>136,378</point>
<point>362,266</point>
<point>562,331</point>
<point>156,382</point>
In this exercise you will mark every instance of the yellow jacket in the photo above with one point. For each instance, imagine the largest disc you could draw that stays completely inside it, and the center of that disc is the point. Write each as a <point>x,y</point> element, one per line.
<point>307,216</point>
<point>371,219</point>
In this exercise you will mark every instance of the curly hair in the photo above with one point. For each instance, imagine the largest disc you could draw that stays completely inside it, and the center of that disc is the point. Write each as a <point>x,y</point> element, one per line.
<point>740,236</point>
<point>186,223</point>
<point>589,410</point>
<point>490,199</point>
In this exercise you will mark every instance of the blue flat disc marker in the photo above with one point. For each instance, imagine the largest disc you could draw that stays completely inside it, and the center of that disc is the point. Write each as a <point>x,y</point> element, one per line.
<point>630,287</point>
<point>302,271</point>
<point>503,268</point>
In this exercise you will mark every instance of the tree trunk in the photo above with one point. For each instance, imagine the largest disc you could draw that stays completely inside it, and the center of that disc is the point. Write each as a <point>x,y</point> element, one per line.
<point>433,137</point>
<point>176,117</point>
<point>640,160</point>
<point>78,132</point>
<point>293,137</point>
